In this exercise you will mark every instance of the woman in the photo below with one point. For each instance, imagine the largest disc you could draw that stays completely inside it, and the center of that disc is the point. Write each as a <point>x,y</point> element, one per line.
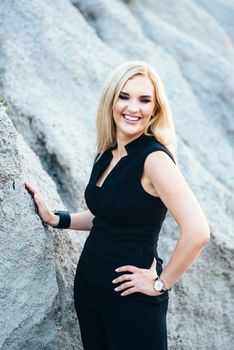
<point>121,289</point>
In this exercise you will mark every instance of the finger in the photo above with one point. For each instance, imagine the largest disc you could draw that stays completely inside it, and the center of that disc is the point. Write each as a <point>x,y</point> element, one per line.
<point>37,199</point>
<point>124,286</point>
<point>28,185</point>
<point>130,268</point>
<point>30,188</point>
<point>40,202</point>
<point>122,278</point>
<point>129,291</point>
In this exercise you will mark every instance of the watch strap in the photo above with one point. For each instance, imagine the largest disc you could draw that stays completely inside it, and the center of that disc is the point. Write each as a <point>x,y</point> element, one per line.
<point>164,289</point>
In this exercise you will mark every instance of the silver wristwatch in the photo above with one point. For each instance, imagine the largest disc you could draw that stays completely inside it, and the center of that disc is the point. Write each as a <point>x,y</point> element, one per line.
<point>159,285</point>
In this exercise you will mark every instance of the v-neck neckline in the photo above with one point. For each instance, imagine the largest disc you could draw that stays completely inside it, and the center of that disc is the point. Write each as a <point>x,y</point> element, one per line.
<point>130,147</point>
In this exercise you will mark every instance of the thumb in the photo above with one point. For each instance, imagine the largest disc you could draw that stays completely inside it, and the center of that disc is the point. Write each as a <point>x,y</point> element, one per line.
<point>153,265</point>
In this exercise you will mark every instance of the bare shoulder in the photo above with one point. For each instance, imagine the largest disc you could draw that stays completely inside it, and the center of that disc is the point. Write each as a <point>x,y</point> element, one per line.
<point>170,184</point>
<point>160,168</point>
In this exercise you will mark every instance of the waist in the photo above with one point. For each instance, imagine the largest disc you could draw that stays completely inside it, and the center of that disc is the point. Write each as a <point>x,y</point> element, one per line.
<point>109,234</point>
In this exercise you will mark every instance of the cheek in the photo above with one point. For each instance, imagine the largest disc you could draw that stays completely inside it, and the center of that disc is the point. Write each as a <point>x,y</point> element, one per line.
<point>148,111</point>
<point>117,110</point>
<point>119,106</point>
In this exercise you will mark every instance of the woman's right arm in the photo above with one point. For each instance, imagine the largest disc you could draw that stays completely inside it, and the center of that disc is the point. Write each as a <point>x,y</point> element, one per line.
<point>81,221</point>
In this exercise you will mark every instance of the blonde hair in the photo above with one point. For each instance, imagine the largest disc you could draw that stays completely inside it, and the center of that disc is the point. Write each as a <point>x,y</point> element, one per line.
<point>161,124</point>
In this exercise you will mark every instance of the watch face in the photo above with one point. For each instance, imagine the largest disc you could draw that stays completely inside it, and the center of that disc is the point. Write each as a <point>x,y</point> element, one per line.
<point>158,286</point>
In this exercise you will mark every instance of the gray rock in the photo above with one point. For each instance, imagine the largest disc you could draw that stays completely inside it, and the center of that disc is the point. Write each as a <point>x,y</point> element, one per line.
<point>194,21</point>
<point>37,262</point>
<point>223,12</point>
<point>9,161</point>
<point>43,49</point>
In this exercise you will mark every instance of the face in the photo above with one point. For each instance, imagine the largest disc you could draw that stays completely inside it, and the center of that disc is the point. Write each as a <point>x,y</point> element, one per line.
<point>134,106</point>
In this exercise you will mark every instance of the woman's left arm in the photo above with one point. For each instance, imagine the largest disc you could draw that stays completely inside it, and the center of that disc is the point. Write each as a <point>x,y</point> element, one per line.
<point>175,193</point>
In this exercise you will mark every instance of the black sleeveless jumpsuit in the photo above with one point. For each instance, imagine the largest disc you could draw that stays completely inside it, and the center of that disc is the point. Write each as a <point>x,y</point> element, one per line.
<point>125,231</point>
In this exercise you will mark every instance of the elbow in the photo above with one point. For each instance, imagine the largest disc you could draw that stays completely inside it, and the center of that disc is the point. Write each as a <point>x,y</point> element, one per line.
<point>199,236</point>
<point>205,237</point>
<point>202,236</point>
<point>206,233</point>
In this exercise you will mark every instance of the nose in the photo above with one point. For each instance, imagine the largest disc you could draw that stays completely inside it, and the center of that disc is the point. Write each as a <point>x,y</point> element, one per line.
<point>133,106</point>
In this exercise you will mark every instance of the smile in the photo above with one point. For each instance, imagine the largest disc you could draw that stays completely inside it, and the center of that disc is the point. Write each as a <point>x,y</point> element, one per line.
<point>130,118</point>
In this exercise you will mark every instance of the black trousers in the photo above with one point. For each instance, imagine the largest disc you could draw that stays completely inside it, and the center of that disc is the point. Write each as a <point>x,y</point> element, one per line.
<point>120,324</point>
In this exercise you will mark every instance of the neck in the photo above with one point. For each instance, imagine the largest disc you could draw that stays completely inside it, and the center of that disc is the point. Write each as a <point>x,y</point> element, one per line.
<point>123,140</point>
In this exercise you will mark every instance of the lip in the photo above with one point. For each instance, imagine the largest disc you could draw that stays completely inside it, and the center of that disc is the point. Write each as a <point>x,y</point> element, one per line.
<point>133,116</point>
<point>131,122</point>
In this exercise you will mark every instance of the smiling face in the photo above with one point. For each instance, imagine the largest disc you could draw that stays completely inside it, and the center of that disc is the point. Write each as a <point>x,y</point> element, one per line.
<point>134,107</point>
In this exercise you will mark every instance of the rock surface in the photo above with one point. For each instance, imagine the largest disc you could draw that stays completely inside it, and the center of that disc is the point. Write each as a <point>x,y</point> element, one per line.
<point>37,262</point>
<point>54,59</point>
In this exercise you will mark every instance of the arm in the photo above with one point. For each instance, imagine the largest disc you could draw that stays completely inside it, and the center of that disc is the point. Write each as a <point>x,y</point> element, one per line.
<point>79,221</point>
<point>183,206</point>
<point>82,221</point>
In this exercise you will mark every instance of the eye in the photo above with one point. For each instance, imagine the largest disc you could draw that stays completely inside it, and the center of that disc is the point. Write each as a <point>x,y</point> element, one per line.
<point>123,97</point>
<point>145,101</point>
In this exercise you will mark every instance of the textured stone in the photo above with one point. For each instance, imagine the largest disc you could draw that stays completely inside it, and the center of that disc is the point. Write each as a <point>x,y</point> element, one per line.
<point>192,20</point>
<point>37,262</point>
<point>222,11</point>
<point>43,49</point>
<point>54,59</point>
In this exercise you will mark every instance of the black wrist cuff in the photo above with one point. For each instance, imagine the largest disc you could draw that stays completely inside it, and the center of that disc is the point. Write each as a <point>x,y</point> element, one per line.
<point>64,218</point>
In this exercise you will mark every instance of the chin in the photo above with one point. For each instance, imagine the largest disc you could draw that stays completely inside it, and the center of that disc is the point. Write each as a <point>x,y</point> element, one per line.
<point>128,132</point>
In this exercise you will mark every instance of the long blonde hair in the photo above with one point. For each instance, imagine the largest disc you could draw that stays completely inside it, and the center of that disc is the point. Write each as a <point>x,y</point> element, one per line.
<point>161,124</point>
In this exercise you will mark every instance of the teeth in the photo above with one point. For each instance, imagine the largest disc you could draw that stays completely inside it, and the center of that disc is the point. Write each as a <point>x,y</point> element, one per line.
<point>128,117</point>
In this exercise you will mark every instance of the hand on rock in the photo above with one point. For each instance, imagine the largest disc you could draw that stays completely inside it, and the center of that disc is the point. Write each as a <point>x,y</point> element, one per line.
<point>46,215</point>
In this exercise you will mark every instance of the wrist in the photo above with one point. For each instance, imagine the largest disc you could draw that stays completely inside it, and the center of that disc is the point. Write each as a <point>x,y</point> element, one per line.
<point>165,282</point>
<point>157,293</point>
<point>64,218</point>
<point>159,286</point>
<point>54,220</point>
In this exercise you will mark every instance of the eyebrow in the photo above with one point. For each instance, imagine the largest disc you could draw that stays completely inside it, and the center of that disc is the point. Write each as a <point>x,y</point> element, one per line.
<point>127,94</point>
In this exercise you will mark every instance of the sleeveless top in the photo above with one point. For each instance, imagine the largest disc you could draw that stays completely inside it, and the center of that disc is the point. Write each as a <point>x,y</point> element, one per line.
<point>124,211</point>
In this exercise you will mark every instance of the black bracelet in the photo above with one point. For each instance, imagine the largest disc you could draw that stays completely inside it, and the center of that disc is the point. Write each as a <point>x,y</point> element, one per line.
<point>64,218</point>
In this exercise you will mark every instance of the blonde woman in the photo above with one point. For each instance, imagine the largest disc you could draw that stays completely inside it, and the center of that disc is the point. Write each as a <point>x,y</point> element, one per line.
<point>121,289</point>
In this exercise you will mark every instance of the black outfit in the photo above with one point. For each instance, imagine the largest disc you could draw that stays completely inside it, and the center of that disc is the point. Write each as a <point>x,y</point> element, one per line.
<point>125,232</point>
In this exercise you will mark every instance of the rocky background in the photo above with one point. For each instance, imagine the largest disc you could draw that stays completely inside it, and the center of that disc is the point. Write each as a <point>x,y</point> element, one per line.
<point>54,57</point>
